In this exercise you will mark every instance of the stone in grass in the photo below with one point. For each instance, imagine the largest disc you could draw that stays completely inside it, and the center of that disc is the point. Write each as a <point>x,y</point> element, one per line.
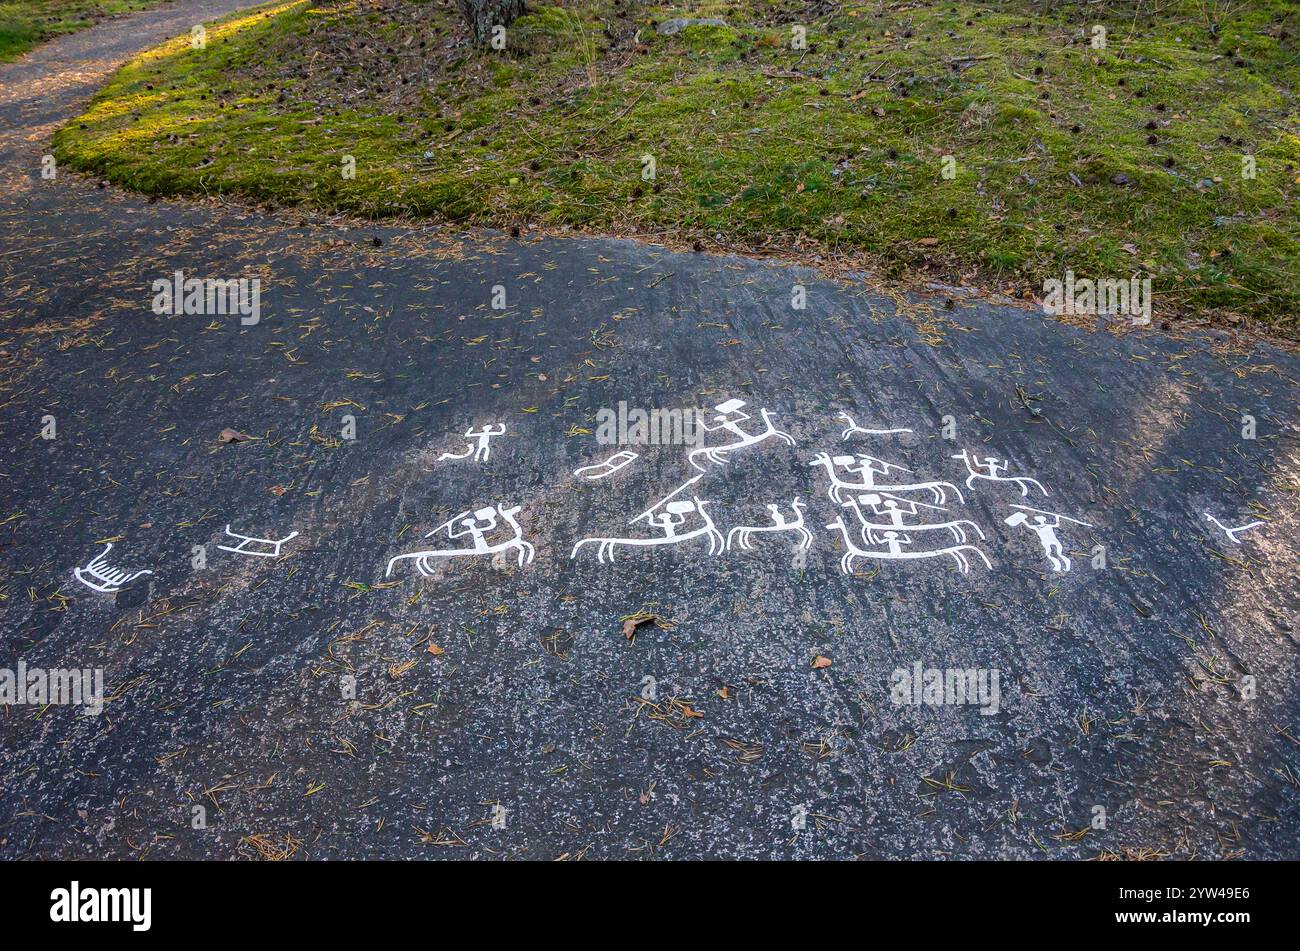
<point>677,24</point>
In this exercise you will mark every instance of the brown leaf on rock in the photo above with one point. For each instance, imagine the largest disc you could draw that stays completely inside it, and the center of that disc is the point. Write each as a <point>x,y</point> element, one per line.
<point>632,621</point>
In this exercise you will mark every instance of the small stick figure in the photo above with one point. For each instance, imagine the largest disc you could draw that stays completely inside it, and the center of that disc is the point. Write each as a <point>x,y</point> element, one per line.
<point>1044,525</point>
<point>481,451</point>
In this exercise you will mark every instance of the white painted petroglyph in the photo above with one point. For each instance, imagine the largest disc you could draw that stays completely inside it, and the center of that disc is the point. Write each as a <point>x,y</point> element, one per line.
<point>868,467</point>
<point>1044,525</point>
<point>743,534</point>
<point>480,450</point>
<point>729,417</point>
<point>993,473</point>
<point>240,549</point>
<point>855,430</point>
<point>98,575</point>
<point>1232,532</point>
<point>666,515</point>
<point>894,508</point>
<point>895,542</point>
<point>607,468</point>
<point>669,515</point>
<point>477,525</point>
<point>883,530</point>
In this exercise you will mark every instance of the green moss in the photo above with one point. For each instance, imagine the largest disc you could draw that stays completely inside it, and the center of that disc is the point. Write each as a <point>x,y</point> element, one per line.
<point>553,21</point>
<point>843,143</point>
<point>709,38</point>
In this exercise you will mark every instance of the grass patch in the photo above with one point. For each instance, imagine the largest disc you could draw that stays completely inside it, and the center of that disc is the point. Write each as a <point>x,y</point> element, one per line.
<point>1110,162</point>
<point>24,23</point>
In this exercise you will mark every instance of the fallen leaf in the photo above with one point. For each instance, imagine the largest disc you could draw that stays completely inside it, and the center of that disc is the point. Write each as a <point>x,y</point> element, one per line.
<point>928,242</point>
<point>277,490</point>
<point>688,712</point>
<point>632,623</point>
<point>434,649</point>
<point>819,662</point>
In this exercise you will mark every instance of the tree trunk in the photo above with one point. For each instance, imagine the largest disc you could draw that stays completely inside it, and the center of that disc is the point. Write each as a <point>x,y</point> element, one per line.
<point>482,15</point>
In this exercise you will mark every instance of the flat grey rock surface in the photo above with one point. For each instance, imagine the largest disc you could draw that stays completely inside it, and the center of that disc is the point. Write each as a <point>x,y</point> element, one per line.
<point>293,704</point>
